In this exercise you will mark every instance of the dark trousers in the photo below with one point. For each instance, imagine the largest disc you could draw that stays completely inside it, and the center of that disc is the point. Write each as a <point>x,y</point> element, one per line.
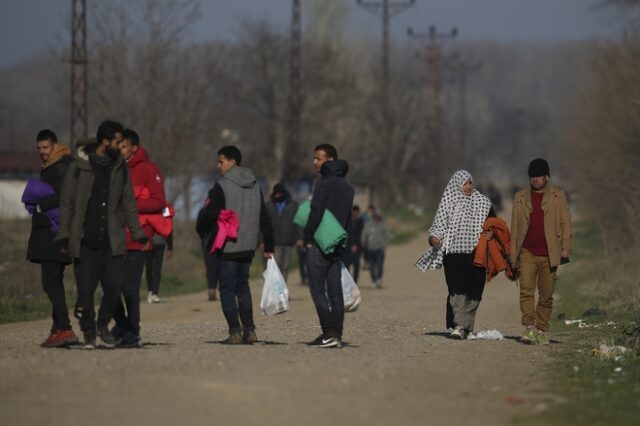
<point>465,283</point>
<point>325,284</point>
<point>352,259</point>
<point>53,286</point>
<point>212,266</point>
<point>153,267</point>
<point>98,265</point>
<point>302,264</point>
<point>133,268</point>
<point>376,264</point>
<point>235,294</point>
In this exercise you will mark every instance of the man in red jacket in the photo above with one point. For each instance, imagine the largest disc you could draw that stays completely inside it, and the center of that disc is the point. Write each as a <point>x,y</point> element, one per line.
<point>150,199</point>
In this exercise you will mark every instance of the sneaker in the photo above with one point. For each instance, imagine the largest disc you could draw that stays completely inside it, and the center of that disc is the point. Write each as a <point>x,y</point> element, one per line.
<point>458,333</point>
<point>541,338</point>
<point>149,298</point>
<point>49,342</point>
<point>129,340</point>
<point>105,336</point>
<point>212,295</point>
<point>155,298</point>
<point>233,339</point>
<point>118,333</point>
<point>471,336</point>
<point>250,338</point>
<point>316,342</point>
<point>89,340</point>
<point>331,342</point>
<point>529,336</point>
<point>64,338</point>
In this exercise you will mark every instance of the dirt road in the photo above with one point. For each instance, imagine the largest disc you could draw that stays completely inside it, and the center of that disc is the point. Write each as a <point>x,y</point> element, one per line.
<point>396,369</point>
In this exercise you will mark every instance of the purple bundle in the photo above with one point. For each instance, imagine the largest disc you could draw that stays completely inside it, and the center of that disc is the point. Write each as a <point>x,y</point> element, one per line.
<point>35,191</point>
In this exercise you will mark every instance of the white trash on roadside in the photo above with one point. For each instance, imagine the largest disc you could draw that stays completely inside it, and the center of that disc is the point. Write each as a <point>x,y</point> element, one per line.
<point>275,294</point>
<point>489,335</point>
<point>570,322</point>
<point>608,352</point>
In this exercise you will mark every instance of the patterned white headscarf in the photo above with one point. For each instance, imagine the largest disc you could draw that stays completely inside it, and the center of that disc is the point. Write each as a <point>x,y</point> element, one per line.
<point>458,222</point>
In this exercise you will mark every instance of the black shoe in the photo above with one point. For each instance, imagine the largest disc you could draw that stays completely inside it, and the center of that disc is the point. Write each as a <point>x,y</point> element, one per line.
<point>105,336</point>
<point>249,338</point>
<point>331,342</point>
<point>316,342</point>
<point>129,340</point>
<point>89,340</point>
<point>118,333</point>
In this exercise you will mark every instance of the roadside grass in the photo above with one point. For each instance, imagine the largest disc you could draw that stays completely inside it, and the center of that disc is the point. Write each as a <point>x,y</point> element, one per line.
<point>586,388</point>
<point>406,224</point>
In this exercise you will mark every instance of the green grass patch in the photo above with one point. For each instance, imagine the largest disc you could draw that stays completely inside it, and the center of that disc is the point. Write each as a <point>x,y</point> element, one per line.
<point>587,388</point>
<point>406,224</point>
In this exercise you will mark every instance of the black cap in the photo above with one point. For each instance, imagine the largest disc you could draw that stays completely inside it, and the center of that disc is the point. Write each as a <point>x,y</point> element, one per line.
<point>279,188</point>
<point>538,167</point>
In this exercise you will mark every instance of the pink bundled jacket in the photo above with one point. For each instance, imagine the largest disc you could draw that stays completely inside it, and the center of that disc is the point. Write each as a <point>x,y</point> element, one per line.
<point>227,229</point>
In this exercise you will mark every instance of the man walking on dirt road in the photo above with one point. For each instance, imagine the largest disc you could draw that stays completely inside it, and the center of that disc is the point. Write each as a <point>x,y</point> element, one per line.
<point>42,199</point>
<point>96,204</point>
<point>237,190</point>
<point>541,236</point>
<point>331,192</point>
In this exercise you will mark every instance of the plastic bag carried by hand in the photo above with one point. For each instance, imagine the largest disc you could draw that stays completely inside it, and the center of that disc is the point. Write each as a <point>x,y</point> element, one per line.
<point>350,291</point>
<point>275,294</point>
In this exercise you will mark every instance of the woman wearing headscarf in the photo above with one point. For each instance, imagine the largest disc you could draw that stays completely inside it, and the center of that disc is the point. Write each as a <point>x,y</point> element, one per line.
<point>453,238</point>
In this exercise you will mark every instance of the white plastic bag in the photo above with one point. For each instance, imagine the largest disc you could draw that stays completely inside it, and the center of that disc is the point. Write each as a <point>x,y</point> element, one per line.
<point>350,291</point>
<point>275,294</point>
<point>489,335</point>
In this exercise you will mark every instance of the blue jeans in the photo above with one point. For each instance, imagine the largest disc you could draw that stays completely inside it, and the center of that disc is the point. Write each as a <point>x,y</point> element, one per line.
<point>325,284</point>
<point>235,295</point>
<point>376,264</point>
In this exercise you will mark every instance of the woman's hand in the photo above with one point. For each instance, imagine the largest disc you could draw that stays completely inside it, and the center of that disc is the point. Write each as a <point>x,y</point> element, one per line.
<point>435,242</point>
<point>488,235</point>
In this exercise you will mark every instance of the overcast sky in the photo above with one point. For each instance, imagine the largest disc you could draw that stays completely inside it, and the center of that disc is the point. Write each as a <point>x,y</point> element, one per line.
<point>31,26</point>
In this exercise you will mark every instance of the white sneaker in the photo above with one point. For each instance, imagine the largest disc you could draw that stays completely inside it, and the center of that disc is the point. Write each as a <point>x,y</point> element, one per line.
<point>150,297</point>
<point>155,298</point>
<point>471,336</point>
<point>458,333</point>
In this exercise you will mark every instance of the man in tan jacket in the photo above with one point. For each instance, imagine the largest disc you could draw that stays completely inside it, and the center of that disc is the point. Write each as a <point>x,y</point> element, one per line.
<point>540,241</point>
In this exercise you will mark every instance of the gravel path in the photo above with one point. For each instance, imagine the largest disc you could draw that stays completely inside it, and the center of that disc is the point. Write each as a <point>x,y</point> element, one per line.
<point>397,368</point>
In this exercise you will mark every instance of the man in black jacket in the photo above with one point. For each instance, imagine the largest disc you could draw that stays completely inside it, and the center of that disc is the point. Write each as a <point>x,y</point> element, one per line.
<point>42,248</point>
<point>331,192</point>
<point>351,256</point>
<point>237,190</point>
<point>282,209</point>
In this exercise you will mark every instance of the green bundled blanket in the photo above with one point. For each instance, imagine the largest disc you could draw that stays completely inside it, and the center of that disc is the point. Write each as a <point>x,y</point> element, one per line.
<point>329,235</point>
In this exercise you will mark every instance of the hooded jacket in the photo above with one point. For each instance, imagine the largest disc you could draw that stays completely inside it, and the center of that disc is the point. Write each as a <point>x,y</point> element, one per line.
<point>237,190</point>
<point>41,241</point>
<point>333,192</point>
<point>75,196</point>
<point>148,190</point>
<point>285,232</point>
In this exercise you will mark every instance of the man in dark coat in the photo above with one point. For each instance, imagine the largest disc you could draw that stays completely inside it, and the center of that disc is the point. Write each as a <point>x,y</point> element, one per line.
<point>96,204</point>
<point>42,248</point>
<point>331,192</point>
<point>286,234</point>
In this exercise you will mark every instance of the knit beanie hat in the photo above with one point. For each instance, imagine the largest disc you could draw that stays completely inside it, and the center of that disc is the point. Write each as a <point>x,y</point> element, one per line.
<point>538,167</point>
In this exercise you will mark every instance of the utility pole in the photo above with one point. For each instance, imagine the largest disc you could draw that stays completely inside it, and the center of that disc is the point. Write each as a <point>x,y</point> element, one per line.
<point>295,94</point>
<point>433,42</point>
<point>79,81</point>
<point>461,71</point>
<point>386,10</point>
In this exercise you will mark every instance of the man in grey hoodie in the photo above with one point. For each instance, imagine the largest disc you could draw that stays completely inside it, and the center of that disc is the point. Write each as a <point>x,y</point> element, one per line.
<point>237,190</point>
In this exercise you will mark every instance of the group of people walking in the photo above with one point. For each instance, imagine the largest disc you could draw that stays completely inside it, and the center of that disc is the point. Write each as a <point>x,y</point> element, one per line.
<point>105,206</point>
<point>106,211</point>
<point>540,240</point>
